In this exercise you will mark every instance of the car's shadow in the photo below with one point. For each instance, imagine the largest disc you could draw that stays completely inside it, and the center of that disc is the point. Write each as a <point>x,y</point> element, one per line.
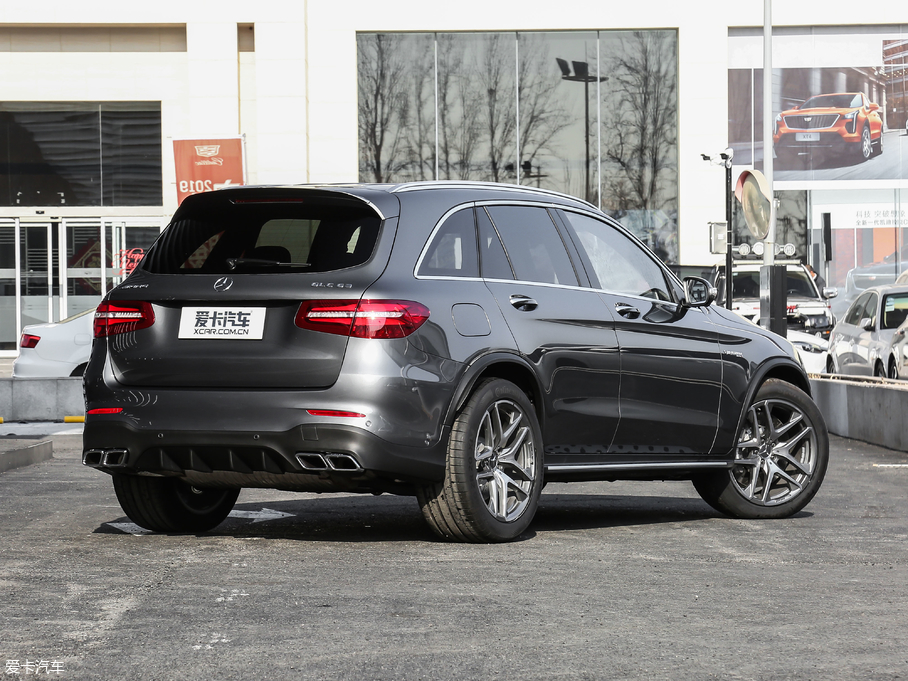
<point>398,519</point>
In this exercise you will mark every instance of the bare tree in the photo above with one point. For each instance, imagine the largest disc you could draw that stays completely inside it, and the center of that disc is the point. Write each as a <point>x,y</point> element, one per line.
<point>383,106</point>
<point>497,95</point>
<point>458,112</point>
<point>640,133</point>
<point>543,113</point>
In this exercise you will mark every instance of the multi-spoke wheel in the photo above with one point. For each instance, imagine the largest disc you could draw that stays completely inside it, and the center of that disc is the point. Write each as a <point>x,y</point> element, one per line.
<point>494,468</point>
<point>780,458</point>
<point>865,147</point>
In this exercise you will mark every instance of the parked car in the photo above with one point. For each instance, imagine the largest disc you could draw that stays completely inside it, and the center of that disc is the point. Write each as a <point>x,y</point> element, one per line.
<point>860,278</point>
<point>862,342</point>
<point>813,351</point>
<point>807,307</point>
<point>464,343</point>
<point>842,122</point>
<point>55,350</point>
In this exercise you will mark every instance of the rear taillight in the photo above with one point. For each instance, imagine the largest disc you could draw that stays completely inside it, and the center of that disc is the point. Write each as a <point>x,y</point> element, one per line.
<point>362,318</point>
<point>28,340</point>
<point>120,316</point>
<point>106,410</point>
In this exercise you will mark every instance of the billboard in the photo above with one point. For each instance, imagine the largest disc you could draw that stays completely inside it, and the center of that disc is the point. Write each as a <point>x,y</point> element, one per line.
<point>203,165</point>
<point>840,119</point>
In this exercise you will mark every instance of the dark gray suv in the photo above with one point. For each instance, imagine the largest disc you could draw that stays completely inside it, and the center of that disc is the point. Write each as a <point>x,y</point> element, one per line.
<point>465,343</point>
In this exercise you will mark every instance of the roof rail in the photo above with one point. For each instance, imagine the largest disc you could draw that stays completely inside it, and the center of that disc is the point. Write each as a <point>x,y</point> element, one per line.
<point>471,184</point>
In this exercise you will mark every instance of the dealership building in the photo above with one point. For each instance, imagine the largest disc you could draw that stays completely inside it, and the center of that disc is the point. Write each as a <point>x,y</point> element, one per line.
<point>612,102</point>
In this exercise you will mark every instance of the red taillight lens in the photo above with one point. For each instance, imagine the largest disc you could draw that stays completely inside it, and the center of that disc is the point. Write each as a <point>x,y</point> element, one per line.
<point>363,318</point>
<point>335,412</point>
<point>106,410</point>
<point>28,340</point>
<point>120,316</point>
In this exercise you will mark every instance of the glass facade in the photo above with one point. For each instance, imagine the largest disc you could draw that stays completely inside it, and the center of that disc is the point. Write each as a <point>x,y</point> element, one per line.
<point>591,114</point>
<point>80,154</point>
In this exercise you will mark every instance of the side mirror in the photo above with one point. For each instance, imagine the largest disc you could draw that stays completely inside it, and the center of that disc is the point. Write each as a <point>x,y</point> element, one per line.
<point>867,324</point>
<point>830,291</point>
<point>873,107</point>
<point>698,292</point>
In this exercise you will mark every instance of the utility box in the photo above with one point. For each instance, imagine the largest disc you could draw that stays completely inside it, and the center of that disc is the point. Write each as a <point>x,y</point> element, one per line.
<point>774,299</point>
<point>718,237</point>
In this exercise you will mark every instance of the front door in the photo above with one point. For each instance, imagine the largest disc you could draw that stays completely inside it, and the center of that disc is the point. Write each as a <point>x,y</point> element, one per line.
<point>671,364</point>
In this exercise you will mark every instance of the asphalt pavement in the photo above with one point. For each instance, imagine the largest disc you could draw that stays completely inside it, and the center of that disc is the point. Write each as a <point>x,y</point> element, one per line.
<point>612,581</point>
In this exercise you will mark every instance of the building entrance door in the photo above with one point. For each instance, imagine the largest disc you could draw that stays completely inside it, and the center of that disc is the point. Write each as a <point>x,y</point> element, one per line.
<point>53,268</point>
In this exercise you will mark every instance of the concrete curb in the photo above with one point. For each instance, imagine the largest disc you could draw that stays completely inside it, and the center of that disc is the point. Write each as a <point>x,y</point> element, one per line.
<point>19,453</point>
<point>40,399</point>
<point>867,409</point>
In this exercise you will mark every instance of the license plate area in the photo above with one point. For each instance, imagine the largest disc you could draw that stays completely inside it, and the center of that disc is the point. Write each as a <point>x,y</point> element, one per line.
<point>222,323</point>
<point>807,137</point>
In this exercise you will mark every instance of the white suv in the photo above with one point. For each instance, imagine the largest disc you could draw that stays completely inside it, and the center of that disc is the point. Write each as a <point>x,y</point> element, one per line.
<point>808,310</point>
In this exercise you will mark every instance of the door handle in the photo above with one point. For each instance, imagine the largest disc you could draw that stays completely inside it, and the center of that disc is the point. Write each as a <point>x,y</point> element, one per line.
<point>628,311</point>
<point>523,303</point>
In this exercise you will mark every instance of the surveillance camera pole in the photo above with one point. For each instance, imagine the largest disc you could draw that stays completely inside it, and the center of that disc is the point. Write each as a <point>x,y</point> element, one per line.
<point>727,156</point>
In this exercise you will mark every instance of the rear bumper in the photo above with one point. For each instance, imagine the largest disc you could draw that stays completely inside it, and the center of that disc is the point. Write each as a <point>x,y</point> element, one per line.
<point>318,458</point>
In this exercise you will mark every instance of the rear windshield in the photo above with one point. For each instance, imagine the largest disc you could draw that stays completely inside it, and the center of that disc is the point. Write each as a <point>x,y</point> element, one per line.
<point>265,237</point>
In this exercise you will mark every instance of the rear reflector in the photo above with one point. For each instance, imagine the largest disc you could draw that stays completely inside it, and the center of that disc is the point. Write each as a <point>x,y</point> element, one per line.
<point>334,412</point>
<point>121,316</point>
<point>106,410</point>
<point>28,340</point>
<point>363,318</point>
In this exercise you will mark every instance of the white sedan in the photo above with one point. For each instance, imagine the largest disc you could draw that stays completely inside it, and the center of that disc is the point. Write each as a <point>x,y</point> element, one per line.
<point>55,350</point>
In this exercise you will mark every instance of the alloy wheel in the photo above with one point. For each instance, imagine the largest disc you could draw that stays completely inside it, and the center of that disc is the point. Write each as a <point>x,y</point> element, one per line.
<point>505,460</point>
<point>776,455</point>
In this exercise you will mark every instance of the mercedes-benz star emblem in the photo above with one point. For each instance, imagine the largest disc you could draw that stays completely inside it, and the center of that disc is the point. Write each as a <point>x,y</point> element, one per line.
<point>223,284</point>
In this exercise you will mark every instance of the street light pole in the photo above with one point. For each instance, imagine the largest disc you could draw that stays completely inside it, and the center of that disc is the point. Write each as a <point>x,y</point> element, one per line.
<point>582,75</point>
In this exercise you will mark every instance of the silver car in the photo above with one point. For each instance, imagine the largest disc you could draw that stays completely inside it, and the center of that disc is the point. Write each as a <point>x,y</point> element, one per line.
<point>862,343</point>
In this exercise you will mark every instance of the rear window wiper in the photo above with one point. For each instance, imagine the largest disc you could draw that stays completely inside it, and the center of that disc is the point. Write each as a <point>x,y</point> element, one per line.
<point>233,263</point>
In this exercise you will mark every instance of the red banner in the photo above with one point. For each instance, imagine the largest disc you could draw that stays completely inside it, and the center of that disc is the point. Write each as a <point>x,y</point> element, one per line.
<point>206,164</point>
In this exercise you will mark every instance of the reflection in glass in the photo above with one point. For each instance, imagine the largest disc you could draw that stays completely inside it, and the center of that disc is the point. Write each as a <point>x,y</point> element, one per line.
<point>558,112</point>
<point>80,153</point>
<point>640,135</point>
<point>396,75</point>
<point>529,108</point>
<point>477,106</point>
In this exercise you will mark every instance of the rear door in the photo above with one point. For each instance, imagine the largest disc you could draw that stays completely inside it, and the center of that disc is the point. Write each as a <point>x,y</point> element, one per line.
<point>559,325</point>
<point>232,285</point>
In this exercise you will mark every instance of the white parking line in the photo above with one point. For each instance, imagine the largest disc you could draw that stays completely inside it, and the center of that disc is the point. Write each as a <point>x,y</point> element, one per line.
<point>890,465</point>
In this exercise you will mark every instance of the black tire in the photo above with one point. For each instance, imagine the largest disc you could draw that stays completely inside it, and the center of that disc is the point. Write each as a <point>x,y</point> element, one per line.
<point>495,446</point>
<point>780,461</point>
<point>893,370</point>
<point>879,145</point>
<point>170,505</point>
<point>830,366</point>
<point>79,370</point>
<point>878,370</point>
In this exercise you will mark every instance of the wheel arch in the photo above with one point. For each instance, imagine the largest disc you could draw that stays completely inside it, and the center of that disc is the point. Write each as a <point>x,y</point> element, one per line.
<point>509,366</point>
<point>780,369</point>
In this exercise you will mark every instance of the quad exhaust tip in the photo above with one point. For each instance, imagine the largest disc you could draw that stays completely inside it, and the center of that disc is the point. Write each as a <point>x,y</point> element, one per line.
<point>329,461</point>
<point>105,458</point>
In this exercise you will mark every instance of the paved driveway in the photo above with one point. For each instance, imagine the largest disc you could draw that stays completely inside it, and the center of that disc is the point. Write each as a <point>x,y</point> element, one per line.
<point>614,581</point>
